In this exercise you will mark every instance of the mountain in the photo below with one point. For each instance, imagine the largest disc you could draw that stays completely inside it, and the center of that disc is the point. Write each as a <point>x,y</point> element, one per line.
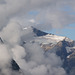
<point>63,47</point>
<point>12,64</point>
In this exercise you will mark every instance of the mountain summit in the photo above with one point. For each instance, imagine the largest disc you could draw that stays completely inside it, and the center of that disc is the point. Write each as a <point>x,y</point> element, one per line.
<point>63,46</point>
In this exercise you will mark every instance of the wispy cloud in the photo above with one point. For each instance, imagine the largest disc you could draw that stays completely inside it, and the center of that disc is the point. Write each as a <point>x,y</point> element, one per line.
<point>49,11</point>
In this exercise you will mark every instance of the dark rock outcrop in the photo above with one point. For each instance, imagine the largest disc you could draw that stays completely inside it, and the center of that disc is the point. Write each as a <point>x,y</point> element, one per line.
<point>14,66</point>
<point>39,32</point>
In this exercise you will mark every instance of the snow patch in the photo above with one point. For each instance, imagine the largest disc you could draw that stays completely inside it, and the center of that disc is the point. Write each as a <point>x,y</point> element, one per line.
<point>53,37</point>
<point>25,28</point>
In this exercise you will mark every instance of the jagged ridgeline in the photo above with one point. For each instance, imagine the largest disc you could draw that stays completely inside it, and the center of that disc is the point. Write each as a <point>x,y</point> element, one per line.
<point>64,47</point>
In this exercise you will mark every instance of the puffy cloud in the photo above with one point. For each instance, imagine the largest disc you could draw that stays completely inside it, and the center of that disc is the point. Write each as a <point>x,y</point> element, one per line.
<point>30,57</point>
<point>12,33</point>
<point>5,57</point>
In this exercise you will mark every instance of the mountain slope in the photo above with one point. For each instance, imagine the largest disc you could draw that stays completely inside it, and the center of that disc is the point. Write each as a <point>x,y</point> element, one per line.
<point>38,50</point>
<point>63,46</point>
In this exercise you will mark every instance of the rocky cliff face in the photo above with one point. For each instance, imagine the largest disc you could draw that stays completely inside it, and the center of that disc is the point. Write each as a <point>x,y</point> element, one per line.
<point>64,48</point>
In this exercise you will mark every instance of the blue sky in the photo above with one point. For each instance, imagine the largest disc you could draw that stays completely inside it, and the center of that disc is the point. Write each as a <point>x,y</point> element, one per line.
<point>68,31</point>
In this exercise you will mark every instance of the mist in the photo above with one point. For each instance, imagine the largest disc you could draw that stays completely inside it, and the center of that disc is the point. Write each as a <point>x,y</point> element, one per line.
<point>30,57</point>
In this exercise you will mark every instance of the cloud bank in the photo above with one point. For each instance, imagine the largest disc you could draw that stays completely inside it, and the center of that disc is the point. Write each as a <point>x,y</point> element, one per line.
<point>30,60</point>
<point>50,15</point>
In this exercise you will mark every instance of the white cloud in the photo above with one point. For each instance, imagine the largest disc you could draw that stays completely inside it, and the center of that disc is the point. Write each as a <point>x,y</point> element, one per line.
<point>51,11</point>
<point>49,16</point>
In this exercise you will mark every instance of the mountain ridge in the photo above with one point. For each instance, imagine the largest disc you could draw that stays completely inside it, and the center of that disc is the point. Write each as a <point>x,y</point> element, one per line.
<point>62,46</point>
